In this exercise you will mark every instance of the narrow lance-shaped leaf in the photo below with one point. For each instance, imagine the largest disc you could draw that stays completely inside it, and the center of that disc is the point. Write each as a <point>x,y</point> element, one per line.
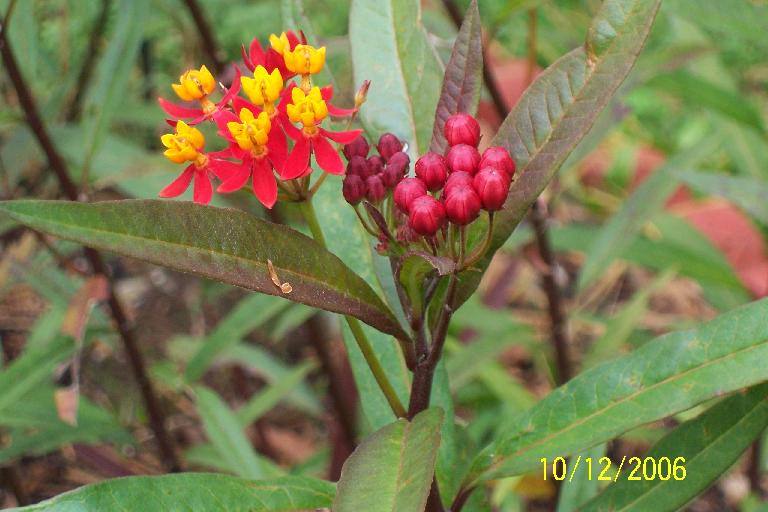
<point>393,468</point>
<point>463,76</point>
<point>224,244</point>
<point>390,47</point>
<point>559,108</point>
<point>668,375</point>
<point>192,491</point>
<point>708,445</point>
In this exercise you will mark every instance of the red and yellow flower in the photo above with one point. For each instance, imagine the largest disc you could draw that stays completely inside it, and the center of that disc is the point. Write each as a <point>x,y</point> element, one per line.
<point>310,110</point>
<point>186,145</point>
<point>198,85</point>
<point>251,142</point>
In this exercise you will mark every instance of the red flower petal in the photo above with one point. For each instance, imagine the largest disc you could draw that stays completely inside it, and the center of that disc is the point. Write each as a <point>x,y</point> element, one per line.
<point>293,40</point>
<point>288,127</point>
<point>180,184</point>
<point>255,55</point>
<point>264,185</point>
<point>203,191</point>
<point>233,89</point>
<point>246,58</point>
<point>223,169</point>
<point>278,148</point>
<point>221,120</point>
<point>297,161</point>
<point>335,111</point>
<point>237,180</point>
<point>275,60</point>
<point>177,110</point>
<point>238,103</point>
<point>285,97</point>
<point>327,157</point>
<point>326,92</point>
<point>341,137</point>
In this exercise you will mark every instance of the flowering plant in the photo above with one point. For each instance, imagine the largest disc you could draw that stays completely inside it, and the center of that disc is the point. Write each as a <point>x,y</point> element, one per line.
<point>387,212</point>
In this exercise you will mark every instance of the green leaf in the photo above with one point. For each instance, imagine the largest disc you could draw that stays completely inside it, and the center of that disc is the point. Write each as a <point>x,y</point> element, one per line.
<point>112,73</point>
<point>710,444</point>
<point>749,194</point>
<point>665,376</point>
<point>413,268</point>
<point>700,93</point>
<point>463,77</point>
<point>561,105</point>
<point>392,469</point>
<point>265,400</point>
<point>226,434</point>
<point>648,199</point>
<point>193,491</point>
<point>218,243</point>
<point>583,487</point>
<point>32,369</point>
<point>622,322</point>
<point>250,313</point>
<point>391,48</point>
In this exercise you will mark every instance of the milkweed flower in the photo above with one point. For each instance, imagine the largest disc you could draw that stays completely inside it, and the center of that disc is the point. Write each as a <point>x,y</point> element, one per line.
<point>304,60</point>
<point>198,85</point>
<point>272,58</point>
<point>251,141</point>
<point>310,109</point>
<point>186,145</point>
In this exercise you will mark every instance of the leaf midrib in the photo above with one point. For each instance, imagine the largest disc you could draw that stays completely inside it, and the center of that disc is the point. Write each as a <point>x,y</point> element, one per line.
<point>577,423</point>
<point>213,252</point>
<point>577,97</point>
<point>709,447</point>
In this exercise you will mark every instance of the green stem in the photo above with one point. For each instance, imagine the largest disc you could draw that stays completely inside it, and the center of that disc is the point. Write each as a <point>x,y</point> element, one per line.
<point>354,325</point>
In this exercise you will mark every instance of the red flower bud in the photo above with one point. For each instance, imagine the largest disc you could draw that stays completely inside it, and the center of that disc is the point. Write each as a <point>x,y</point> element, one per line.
<point>358,147</point>
<point>462,206</point>
<point>432,169</point>
<point>357,165</point>
<point>391,176</point>
<point>389,145</point>
<point>353,188</point>
<point>492,186</point>
<point>374,166</point>
<point>498,158</point>
<point>399,161</point>
<point>456,180</point>
<point>375,189</point>
<point>462,128</point>
<point>407,191</point>
<point>427,215</point>
<point>463,157</point>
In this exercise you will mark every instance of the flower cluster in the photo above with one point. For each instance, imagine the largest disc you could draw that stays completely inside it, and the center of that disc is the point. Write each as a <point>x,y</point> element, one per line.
<point>447,190</point>
<point>258,130</point>
<point>372,177</point>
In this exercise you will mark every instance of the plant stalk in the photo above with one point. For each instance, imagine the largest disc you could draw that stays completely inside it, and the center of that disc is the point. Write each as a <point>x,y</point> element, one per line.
<point>357,331</point>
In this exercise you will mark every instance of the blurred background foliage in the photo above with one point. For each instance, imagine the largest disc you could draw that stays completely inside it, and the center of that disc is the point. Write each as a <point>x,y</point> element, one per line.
<point>659,219</point>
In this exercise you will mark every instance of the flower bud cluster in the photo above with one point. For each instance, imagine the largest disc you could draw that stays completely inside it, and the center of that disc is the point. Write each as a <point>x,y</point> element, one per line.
<point>373,177</point>
<point>462,181</point>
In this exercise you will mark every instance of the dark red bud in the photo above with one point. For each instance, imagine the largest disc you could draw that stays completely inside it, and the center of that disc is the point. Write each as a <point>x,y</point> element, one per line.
<point>462,206</point>
<point>463,157</point>
<point>426,216</point>
<point>432,169</point>
<point>407,191</point>
<point>389,145</point>
<point>462,128</point>
<point>357,165</point>
<point>456,180</point>
<point>353,188</point>
<point>374,165</point>
<point>498,158</point>
<point>391,176</point>
<point>375,189</point>
<point>492,186</point>
<point>358,147</point>
<point>399,161</point>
